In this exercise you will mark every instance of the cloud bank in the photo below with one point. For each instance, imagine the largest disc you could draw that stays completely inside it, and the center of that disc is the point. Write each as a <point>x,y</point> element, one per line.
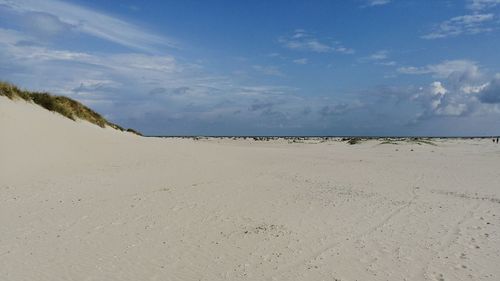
<point>54,16</point>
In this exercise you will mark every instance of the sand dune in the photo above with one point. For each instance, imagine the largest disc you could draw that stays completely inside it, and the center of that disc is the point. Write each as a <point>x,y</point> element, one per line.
<point>79,202</point>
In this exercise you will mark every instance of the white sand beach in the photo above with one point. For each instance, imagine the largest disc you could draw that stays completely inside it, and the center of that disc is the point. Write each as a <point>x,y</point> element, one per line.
<point>79,202</point>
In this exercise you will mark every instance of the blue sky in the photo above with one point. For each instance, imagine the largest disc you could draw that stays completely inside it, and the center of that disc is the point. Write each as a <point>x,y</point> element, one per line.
<point>352,67</point>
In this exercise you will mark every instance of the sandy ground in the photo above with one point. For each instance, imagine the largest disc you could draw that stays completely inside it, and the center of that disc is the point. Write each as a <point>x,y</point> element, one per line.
<point>78,202</point>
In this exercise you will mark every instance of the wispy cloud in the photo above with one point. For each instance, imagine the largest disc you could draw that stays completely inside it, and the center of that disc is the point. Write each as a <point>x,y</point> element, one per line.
<point>478,5</point>
<point>24,49</point>
<point>467,24</point>
<point>301,61</point>
<point>269,70</point>
<point>302,40</point>
<point>459,69</point>
<point>53,15</point>
<point>380,57</point>
<point>372,3</point>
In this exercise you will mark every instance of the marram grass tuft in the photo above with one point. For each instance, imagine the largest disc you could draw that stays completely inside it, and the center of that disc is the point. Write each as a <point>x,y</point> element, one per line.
<point>63,105</point>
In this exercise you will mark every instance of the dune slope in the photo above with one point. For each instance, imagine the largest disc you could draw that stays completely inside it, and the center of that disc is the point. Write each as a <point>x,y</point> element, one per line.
<point>79,202</point>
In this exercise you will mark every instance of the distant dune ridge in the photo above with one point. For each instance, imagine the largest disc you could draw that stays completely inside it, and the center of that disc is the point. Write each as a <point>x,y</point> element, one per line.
<point>86,202</point>
<point>65,106</point>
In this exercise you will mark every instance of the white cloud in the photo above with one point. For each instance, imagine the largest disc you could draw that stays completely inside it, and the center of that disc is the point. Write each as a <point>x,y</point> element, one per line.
<point>482,4</point>
<point>268,70</point>
<point>143,62</point>
<point>52,15</point>
<point>372,3</point>
<point>301,61</point>
<point>388,63</point>
<point>462,92</point>
<point>437,100</point>
<point>303,41</point>
<point>414,70</point>
<point>467,24</point>
<point>380,57</point>
<point>456,69</point>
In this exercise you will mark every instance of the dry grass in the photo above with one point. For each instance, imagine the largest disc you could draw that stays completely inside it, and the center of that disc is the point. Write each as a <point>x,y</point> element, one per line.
<point>353,141</point>
<point>63,105</point>
<point>419,141</point>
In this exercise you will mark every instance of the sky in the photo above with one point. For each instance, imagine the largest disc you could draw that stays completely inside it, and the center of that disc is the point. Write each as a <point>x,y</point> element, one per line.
<point>282,67</point>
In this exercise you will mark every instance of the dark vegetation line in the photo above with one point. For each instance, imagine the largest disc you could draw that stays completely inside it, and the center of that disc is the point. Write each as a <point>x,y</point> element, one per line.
<point>65,106</point>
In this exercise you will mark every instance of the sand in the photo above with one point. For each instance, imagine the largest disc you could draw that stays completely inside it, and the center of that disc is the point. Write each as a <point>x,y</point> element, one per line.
<point>79,202</point>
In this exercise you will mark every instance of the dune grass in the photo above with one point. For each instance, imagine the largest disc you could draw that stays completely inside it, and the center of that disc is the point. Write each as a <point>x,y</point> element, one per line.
<point>353,141</point>
<point>65,106</point>
<point>418,141</point>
